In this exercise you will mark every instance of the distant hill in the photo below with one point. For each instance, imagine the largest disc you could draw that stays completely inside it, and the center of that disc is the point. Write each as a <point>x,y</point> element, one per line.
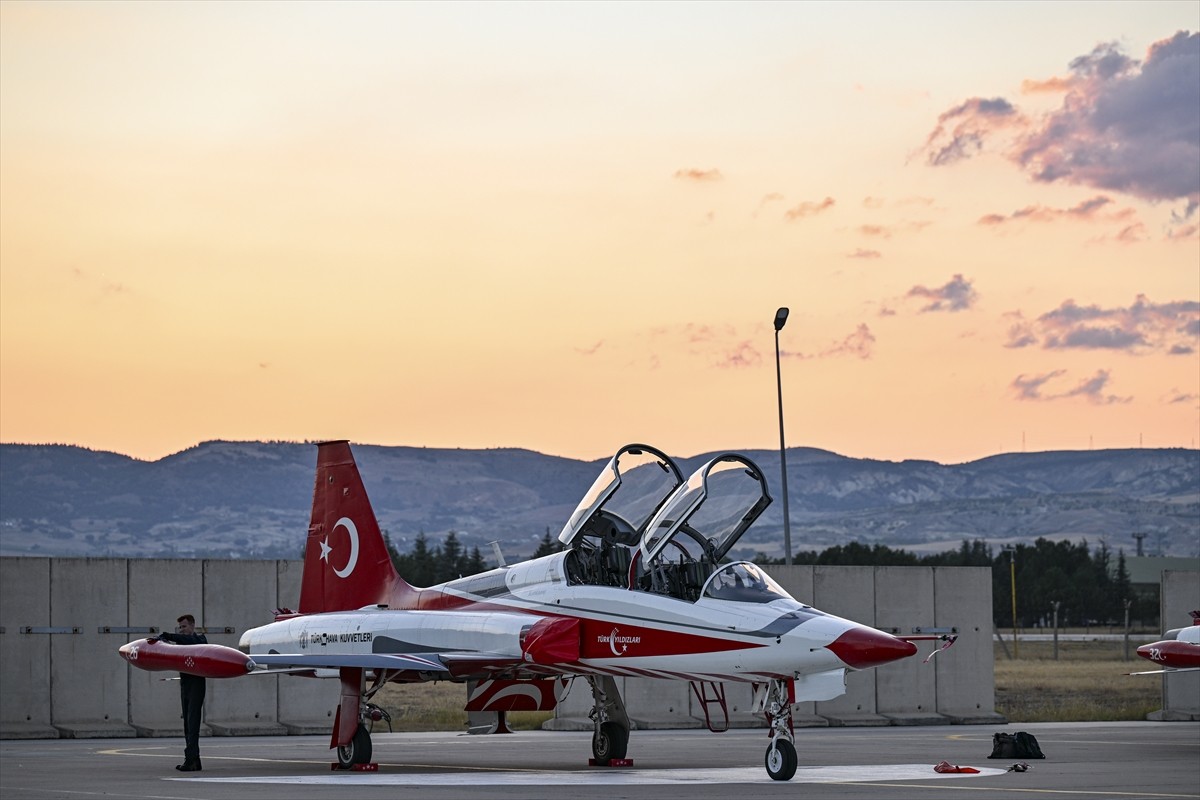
<point>252,499</point>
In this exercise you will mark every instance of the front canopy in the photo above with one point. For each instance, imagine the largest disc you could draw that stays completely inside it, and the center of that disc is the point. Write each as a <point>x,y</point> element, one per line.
<point>645,477</point>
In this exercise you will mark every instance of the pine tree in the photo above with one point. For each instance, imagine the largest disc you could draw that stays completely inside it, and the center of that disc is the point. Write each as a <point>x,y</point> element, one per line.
<point>547,547</point>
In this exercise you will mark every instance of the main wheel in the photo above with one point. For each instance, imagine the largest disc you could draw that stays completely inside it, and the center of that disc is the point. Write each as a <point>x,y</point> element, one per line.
<point>358,751</point>
<point>781,760</point>
<point>609,742</point>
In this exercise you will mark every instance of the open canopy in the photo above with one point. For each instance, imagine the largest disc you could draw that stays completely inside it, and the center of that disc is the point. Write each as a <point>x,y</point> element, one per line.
<point>644,476</point>
<point>715,507</point>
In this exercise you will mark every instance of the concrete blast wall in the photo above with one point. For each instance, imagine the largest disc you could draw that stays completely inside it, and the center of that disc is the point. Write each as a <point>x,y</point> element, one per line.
<point>62,621</point>
<point>1181,690</point>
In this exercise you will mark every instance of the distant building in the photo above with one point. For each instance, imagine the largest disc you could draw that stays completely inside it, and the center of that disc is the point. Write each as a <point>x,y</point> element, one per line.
<point>1145,578</point>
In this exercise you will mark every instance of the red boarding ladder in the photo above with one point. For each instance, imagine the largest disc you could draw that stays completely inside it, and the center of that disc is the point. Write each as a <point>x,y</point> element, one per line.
<point>701,690</point>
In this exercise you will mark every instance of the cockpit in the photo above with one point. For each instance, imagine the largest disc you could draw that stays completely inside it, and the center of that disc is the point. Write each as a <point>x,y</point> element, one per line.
<point>642,527</point>
<point>743,582</point>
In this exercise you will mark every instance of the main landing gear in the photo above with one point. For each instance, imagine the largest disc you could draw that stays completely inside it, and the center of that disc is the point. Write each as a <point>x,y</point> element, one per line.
<point>610,741</point>
<point>780,759</point>
<point>351,736</point>
<point>357,751</point>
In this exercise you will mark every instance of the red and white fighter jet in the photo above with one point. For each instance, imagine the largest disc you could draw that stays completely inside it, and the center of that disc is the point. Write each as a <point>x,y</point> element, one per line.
<point>641,588</point>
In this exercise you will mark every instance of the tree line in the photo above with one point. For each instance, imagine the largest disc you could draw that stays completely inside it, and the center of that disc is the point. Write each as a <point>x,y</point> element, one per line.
<point>1090,589</point>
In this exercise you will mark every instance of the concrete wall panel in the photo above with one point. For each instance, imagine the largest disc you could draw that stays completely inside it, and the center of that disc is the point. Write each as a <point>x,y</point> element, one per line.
<point>797,580</point>
<point>905,689</point>
<point>90,687</point>
<point>239,595</point>
<point>306,705</point>
<point>966,672</point>
<point>655,703</point>
<point>848,592</point>
<point>1181,690</point>
<point>25,657</point>
<point>160,590</point>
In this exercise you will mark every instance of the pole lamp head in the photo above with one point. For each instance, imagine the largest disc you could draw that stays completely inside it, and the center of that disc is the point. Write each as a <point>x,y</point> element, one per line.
<point>781,318</point>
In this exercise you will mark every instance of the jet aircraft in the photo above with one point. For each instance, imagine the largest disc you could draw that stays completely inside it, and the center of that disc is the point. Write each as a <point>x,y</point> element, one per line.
<point>1178,651</point>
<point>641,588</point>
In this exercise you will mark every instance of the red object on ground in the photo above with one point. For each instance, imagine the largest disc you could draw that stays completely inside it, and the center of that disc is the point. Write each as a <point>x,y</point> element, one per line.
<point>946,766</point>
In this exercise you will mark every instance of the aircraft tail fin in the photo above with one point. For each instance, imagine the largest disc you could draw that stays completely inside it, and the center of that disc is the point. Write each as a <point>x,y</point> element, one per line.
<point>346,562</point>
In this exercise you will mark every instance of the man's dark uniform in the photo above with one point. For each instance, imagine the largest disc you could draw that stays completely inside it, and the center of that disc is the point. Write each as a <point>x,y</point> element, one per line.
<point>191,695</point>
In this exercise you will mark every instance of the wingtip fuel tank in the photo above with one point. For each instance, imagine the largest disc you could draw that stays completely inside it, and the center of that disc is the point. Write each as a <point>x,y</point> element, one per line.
<point>204,660</point>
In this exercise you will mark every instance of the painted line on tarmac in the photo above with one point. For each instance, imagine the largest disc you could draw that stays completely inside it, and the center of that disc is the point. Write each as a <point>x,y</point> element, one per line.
<point>865,773</point>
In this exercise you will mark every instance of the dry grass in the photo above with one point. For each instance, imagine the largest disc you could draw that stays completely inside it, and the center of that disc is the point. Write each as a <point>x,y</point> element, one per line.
<point>439,707</point>
<point>1087,683</point>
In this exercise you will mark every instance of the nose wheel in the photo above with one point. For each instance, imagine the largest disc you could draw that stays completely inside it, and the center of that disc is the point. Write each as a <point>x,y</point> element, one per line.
<point>776,700</point>
<point>781,760</point>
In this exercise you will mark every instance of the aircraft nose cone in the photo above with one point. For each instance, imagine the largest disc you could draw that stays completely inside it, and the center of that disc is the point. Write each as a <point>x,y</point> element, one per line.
<point>863,648</point>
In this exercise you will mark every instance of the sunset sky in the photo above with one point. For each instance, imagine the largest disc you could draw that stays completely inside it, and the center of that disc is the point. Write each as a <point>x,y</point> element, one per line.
<point>567,226</point>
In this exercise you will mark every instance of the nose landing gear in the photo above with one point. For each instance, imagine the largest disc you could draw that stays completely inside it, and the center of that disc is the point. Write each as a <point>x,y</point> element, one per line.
<point>776,702</point>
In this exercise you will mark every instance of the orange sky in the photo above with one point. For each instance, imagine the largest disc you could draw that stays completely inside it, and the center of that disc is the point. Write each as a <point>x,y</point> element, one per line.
<point>565,227</point>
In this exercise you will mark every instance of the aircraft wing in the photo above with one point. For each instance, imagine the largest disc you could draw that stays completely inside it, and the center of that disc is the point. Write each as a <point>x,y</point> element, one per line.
<point>459,665</point>
<point>1165,671</point>
<point>396,661</point>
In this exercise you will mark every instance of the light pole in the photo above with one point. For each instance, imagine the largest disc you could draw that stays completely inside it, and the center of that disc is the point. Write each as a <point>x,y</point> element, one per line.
<point>1012,572</point>
<point>780,320</point>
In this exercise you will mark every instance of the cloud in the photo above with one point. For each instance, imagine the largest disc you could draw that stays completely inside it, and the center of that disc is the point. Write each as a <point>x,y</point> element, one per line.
<point>866,254</point>
<point>699,175</point>
<point>773,197</point>
<point>808,209</point>
<point>1123,125</point>
<point>1143,327</point>
<point>1176,396</point>
<point>99,283</point>
<point>1091,389</point>
<point>742,354</point>
<point>1086,210</point>
<point>589,351</point>
<point>858,344</point>
<point>956,295</point>
<point>1031,388</point>
<point>961,131</point>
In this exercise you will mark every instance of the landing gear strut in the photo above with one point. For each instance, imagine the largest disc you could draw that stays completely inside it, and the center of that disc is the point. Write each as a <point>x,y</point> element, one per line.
<point>780,759</point>
<point>351,736</point>
<point>610,741</point>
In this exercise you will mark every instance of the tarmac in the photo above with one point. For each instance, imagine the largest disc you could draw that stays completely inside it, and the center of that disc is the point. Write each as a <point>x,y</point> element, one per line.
<point>1083,760</point>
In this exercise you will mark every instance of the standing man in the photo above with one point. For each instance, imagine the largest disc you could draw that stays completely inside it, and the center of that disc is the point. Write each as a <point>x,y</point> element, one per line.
<point>191,694</point>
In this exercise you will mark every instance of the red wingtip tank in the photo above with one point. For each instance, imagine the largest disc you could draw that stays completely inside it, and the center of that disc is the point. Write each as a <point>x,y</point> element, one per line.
<point>205,660</point>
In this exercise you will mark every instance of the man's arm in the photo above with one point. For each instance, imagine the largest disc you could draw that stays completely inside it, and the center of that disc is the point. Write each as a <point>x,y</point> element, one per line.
<point>183,638</point>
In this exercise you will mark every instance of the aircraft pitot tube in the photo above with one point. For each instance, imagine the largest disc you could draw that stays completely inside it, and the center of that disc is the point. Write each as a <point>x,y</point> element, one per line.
<point>204,660</point>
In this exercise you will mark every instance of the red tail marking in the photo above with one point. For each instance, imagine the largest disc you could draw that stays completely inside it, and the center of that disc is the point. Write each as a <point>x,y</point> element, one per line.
<point>346,563</point>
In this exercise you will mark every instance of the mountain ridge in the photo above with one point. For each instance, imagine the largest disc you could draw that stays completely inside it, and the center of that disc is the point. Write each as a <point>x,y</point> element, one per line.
<point>233,499</point>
